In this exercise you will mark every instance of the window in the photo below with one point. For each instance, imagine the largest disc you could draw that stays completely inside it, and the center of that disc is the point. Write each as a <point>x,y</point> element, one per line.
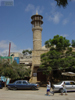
<point>67,83</point>
<point>19,82</point>
<point>59,83</point>
<point>72,83</point>
<point>24,82</point>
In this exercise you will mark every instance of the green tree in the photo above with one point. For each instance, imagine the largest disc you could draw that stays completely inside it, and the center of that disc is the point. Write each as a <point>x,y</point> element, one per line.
<point>60,43</point>
<point>50,61</point>
<point>8,72</point>
<point>26,52</point>
<point>62,2</point>
<point>14,70</point>
<point>60,56</point>
<point>73,43</point>
<point>21,70</point>
<point>48,43</point>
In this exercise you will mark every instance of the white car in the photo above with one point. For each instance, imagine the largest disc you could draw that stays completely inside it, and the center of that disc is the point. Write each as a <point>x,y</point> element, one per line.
<point>70,86</point>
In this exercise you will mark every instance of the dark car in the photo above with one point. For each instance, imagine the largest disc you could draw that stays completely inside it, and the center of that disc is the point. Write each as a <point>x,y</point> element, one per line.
<point>22,84</point>
<point>1,84</point>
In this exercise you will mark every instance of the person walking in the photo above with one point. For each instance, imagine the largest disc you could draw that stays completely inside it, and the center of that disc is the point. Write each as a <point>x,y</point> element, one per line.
<point>49,88</point>
<point>64,89</point>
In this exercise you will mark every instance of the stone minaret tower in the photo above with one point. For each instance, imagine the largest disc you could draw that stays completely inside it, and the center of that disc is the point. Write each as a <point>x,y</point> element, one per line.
<point>37,47</point>
<point>37,29</point>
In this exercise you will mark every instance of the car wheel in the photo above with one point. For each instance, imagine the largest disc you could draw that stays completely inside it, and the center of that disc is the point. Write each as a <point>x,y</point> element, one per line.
<point>14,88</point>
<point>33,88</point>
<point>9,87</point>
<point>61,90</point>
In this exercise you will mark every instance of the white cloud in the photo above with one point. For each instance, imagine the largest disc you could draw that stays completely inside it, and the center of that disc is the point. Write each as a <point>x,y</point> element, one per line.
<point>64,35</point>
<point>54,15</point>
<point>4,48</point>
<point>29,7</point>
<point>53,5</point>
<point>17,50</point>
<point>33,9</point>
<point>39,9</point>
<point>65,21</point>
<point>5,44</point>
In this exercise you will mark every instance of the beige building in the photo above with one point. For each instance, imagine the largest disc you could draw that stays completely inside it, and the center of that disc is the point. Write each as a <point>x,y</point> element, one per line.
<point>16,54</point>
<point>23,59</point>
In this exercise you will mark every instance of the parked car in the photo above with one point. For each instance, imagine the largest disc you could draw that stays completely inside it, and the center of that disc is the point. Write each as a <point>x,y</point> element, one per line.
<point>70,86</point>
<point>22,84</point>
<point>1,84</point>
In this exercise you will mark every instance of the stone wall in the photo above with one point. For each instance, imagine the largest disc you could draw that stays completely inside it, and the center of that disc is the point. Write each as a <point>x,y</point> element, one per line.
<point>36,56</point>
<point>37,43</point>
<point>36,62</point>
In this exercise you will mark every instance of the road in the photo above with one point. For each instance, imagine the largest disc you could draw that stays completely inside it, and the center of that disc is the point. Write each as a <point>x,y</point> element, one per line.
<point>33,95</point>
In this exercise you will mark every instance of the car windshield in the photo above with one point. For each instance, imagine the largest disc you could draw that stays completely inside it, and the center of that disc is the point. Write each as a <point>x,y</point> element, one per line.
<point>59,82</point>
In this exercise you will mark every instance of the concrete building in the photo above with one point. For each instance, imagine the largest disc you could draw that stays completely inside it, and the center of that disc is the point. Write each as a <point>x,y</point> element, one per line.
<point>16,54</point>
<point>23,59</point>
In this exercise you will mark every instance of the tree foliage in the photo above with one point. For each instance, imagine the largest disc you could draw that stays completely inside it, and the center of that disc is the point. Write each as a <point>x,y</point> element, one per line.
<point>59,42</point>
<point>73,43</point>
<point>50,61</point>
<point>27,52</point>
<point>63,3</point>
<point>60,56</point>
<point>14,70</point>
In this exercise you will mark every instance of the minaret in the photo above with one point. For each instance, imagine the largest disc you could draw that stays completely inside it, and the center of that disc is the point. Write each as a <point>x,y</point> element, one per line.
<point>37,29</point>
<point>37,47</point>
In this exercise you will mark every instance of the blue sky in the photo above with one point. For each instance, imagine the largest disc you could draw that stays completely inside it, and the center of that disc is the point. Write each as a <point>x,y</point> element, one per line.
<point>15,23</point>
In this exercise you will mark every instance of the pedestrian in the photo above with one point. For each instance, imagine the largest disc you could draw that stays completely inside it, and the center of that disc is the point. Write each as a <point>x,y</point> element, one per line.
<point>49,88</point>
<point>64,89</point>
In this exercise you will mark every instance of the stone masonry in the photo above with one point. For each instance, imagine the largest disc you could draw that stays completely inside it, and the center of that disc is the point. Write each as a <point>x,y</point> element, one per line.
<point>37,45</point>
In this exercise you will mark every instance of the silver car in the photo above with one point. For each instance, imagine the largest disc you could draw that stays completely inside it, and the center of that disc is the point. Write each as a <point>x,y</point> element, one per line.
<point>70,86</point>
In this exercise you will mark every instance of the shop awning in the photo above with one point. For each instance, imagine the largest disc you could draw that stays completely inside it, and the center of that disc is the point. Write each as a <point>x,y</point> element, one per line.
<point>68,73</point>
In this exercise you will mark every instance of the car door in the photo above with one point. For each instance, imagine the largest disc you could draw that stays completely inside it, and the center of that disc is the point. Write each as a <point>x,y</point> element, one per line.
<point>68,86</point>
<point>73,85</point>
<point>18,84</point>
<point>25,85</point>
